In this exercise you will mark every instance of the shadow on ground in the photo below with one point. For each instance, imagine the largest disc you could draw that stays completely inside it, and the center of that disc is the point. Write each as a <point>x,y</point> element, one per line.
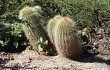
<point>91,58</point>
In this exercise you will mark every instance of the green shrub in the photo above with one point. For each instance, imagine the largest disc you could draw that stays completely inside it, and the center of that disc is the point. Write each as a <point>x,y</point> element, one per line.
<point>88,13</point>
<point>9,9</point>
<point>93,13</point>
<point>13,38</point>
<point>50,7</point>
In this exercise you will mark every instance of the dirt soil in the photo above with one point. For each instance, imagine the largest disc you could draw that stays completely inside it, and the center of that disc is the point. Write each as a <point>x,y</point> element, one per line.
<point>30,60</point>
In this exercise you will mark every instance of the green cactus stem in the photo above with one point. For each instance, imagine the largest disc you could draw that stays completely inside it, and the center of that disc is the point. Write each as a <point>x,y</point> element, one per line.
<point>66,41</point>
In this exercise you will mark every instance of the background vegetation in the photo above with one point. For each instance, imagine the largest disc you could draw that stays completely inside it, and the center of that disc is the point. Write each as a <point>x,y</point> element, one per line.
<point>91,14</point>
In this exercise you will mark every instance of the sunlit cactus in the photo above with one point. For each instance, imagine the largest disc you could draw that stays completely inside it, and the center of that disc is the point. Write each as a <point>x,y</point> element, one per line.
<point>24,13</point>
<point>37,9</point>
<point>51,25</point>
<point>57,17</point>
<point>50,28</point>
<point>66,40</point>
<point>32,28</point>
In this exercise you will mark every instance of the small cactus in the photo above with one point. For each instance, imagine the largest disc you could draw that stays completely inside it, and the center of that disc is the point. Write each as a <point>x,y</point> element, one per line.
<point>66,41</point>
<point>51,25</point>
<point>32,28</point>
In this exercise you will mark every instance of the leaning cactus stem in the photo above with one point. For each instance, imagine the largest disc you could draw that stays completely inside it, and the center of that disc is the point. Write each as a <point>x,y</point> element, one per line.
<point>32,16</point>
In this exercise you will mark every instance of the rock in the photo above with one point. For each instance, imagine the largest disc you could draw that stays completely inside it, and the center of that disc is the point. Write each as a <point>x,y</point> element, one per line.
<point>4,26</point>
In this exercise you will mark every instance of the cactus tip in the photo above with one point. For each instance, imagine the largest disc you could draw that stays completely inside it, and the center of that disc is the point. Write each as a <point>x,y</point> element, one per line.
<point>52,21</point>
<point>37,8</point>
<point>25,11</point>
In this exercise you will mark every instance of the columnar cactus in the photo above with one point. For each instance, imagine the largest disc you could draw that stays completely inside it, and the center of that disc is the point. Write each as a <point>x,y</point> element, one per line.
<point>66,41</point>
<point>51,25</point>
<point>32,28</point>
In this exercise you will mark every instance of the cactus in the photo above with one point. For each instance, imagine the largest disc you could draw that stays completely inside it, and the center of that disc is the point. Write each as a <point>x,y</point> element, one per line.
<point>32,28</point>
<point>66,41</point>
<point>37,9</point>
<point>50,27</point>
<point>23,14</point>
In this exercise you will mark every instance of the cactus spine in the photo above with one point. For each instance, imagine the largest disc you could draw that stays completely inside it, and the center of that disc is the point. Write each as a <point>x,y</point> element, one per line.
<point>50,27</point>
<point>33,29</point>
<point>66,41</point>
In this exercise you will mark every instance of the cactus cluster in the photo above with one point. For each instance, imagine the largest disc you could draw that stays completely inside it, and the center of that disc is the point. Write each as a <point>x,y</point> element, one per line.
<point>62,31</point>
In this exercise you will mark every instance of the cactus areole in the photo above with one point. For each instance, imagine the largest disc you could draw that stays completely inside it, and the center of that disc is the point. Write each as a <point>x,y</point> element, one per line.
<point>66,41</point>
